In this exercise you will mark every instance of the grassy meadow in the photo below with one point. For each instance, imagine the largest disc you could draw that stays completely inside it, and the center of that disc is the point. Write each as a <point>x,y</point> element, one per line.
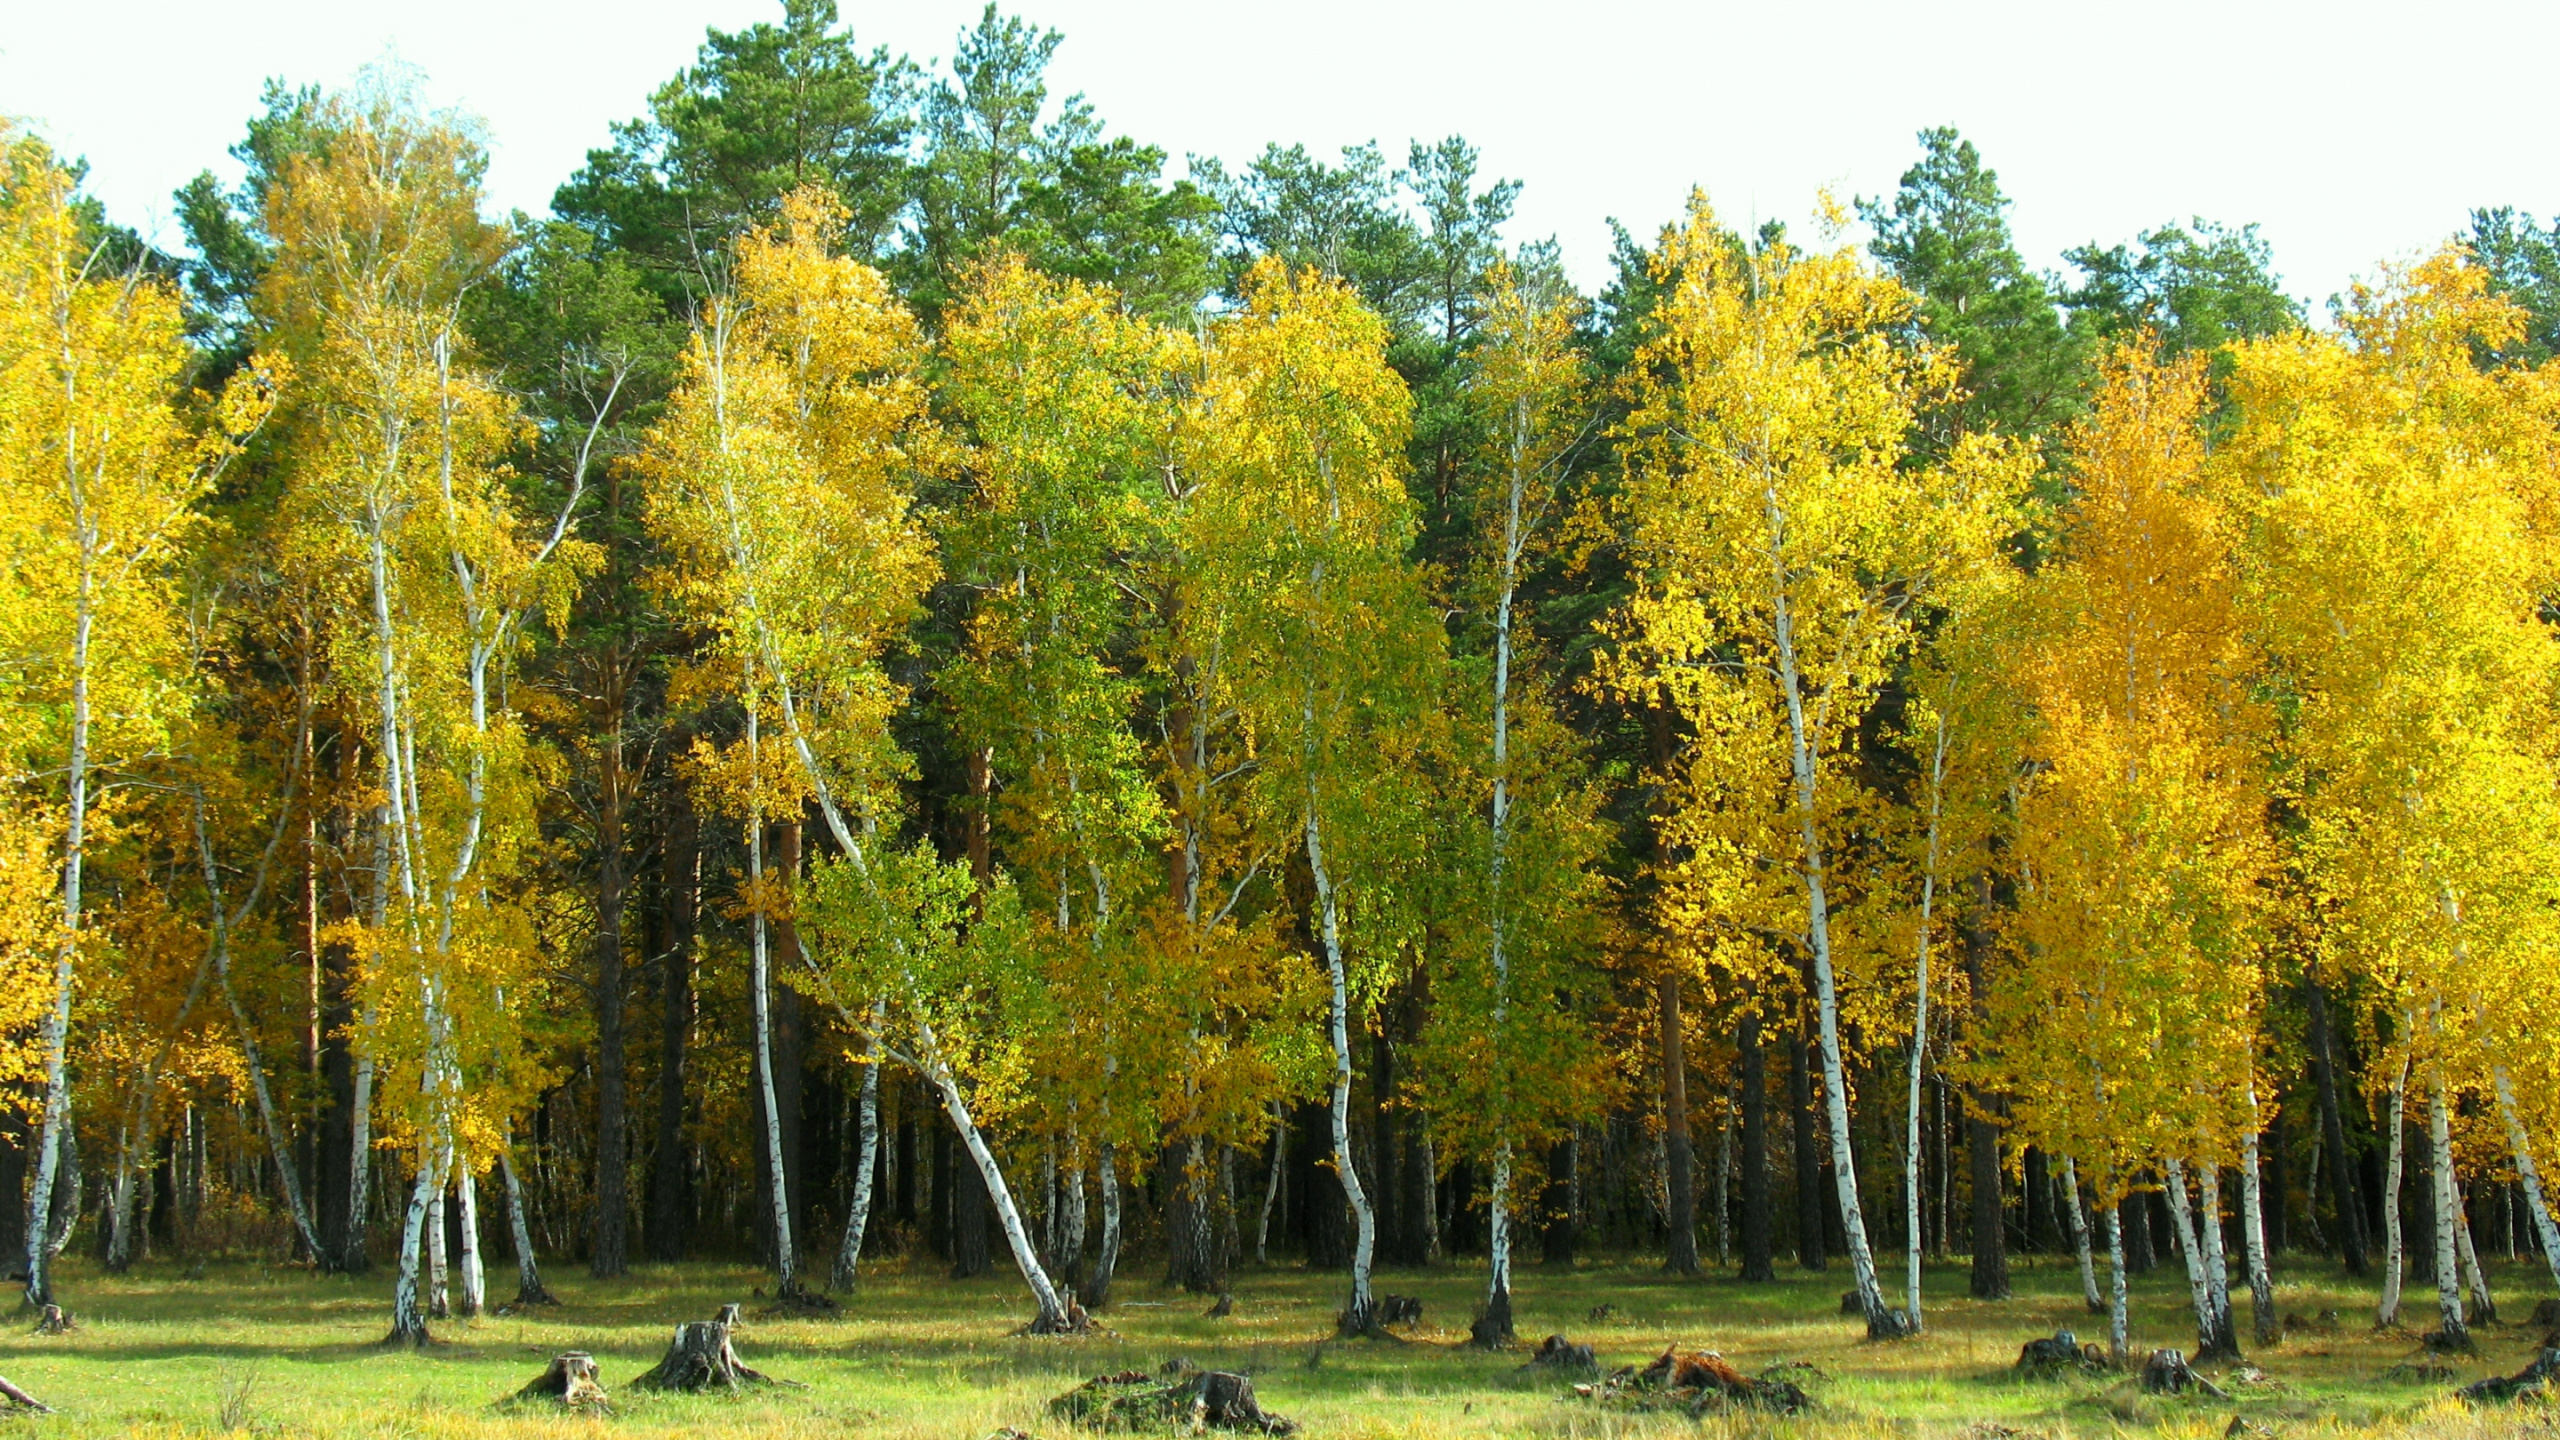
<point>176,1349</point>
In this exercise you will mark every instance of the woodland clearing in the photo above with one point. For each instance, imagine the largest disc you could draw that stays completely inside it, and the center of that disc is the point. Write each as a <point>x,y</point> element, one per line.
<point>176,1349</point>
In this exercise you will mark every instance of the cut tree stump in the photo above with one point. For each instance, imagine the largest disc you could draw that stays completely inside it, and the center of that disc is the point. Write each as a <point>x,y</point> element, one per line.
<point>2168,1373</point>
<point>54,1320</point>
<point>1400,1310</point>
<point>700,1357</point>
<point>1199,1400</point>
<point>572,1380</point>
<point>20,1399</point>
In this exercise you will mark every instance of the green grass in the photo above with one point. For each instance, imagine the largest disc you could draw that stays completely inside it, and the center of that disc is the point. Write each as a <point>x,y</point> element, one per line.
<point>274,1351</point>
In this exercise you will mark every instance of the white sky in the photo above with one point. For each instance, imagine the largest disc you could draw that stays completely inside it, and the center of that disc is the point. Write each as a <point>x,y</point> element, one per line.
<point>2352,131</point>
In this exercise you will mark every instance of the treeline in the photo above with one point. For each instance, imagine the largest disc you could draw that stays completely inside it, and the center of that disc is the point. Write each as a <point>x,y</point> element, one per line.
<point>889,679</point>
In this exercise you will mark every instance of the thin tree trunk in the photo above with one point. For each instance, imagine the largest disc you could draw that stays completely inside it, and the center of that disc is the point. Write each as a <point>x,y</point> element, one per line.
<point>408,1321</point>
<point>2217,1267</point>
<point>475,1278</point>
<point>1723,1185</point>
<point>2191,1252</point>
<point>529,1287</point>
<point>2538,1206</point>
<point>2112,1218</point>
<point>1271,1182</point>
<point>1678,1162</point>
<point>1360,1314</point>
<point>1106,1258</point>
<point>2394,1262</point>
<point>867,1135</point>
<point>1812,867</point>
<point>1920,1037</point>
<point>760,1002</point>
<point>2080,1237</point>
<point>609,1246</point>
<point>681,869</point>
<point>2484,1308</point>
<point>1759,1257</point>
<point>2333,1130</point>
<point>2262,1289</point>
<point>2457,1335</point>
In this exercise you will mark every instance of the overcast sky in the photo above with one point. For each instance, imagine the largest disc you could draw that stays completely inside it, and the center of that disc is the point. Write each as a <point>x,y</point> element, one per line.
<point>2352,131</point>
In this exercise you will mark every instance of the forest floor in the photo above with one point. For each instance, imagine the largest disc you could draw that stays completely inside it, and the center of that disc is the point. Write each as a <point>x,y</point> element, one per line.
<point>183,1349</point>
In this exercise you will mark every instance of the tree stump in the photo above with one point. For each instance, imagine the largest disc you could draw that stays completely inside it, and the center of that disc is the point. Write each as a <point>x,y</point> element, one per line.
<point>701,1357</point>
<point>54,1320</point>
<point>1400,1310</point>
<point>1225,1307</point>
<point>2168,1373</point>
<point>20,1400</point>
<point>572,1380</point>
<point>1559,1354</point>
<point>2532,1380</point>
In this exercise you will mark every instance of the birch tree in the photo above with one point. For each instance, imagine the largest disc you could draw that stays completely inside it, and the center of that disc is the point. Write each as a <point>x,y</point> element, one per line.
<point>1782,544</point>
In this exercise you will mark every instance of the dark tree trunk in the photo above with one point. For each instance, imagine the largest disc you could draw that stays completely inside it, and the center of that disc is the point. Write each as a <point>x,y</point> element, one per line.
<point>2042,1233</point>
<point>905,1163</point>
<point>790,1047</point>
<point>938,1202</point>
<point>1680,1186</point>
<point>1990,1279</point>
<point>1759,1260</point>
<point>2133,1221</point>
<point>341,1232</point>
<point>681,869</point>
<point>2345,1175</point>
<point>969,1208</point>
<point>1808,1150</point>
<point>2275,1180</point>
<point>1385,1195</point>
<point>1557,1239</point>
<point>608,1251</point>
<point>1419,1205</point>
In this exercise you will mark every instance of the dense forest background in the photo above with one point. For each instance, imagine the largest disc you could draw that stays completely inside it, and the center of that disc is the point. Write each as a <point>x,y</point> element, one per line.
<point>886,681</point>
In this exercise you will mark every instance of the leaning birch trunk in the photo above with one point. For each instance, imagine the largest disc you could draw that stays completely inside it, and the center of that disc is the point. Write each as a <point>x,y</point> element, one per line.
<point>2484,1309</point>
<point>1920,1046</point>
<point>1053,1315</point>
<point>2217,1266</point>
<point>1494,1328</point>
<point>2080,1237</point>
<point>2116,1317</point>
<point>2190,1251</point>
<point>2393,1259</point>
<point>529,1287</point>
<point>2521,1144</point>
<point>867,1135</point>
<point>2253,1231</point>
<point>2457,1335</point>
<point>1360,1315</point>
<point>1881,1322</point>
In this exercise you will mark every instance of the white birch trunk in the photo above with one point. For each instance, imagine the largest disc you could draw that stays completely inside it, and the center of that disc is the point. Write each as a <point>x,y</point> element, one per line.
<point>2522,1145</point>
<point>1920,1042</point>
<point>408,1324</point>
<point>2080,1237</point>
<point>2394,1259</point>
<point>2440,1176</point>
<point>858,1213</point>
<point>2117,1341</point>
<point>2484,1309</point>
<point>529,1287</point>
<point>1359,1315</point>
<point>2190,1251</point>
<point>475,1275</point>
<point>1106,1256</point>
<point>56,1036</point>
<point>2253,1231</point>
<point>2217,1265</point>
